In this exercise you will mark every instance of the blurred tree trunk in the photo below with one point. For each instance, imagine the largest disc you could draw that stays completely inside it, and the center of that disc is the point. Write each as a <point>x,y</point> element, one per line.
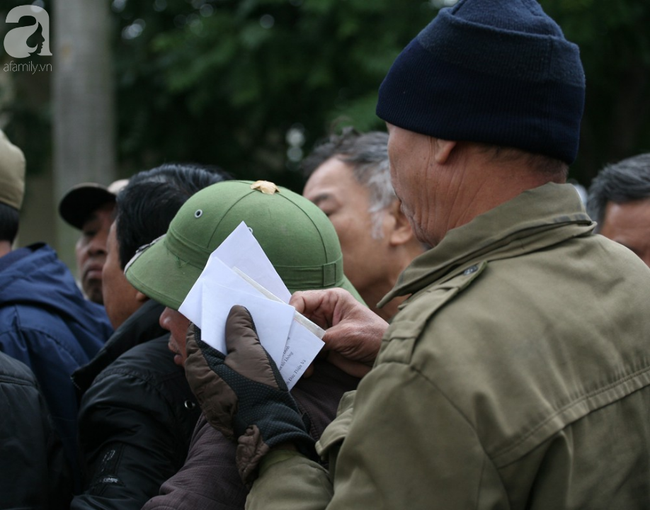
<point>83,98</point>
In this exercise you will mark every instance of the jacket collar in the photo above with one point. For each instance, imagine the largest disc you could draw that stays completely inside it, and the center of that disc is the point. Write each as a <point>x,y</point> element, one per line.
<point>141,327</point>
<point>535,219</point>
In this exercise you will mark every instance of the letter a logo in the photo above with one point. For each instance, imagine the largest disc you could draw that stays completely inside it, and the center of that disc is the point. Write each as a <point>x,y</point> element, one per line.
<point>16,39</point>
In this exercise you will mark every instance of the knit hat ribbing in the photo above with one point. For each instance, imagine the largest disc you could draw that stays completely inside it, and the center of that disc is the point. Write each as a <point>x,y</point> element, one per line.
<point>490,71</point>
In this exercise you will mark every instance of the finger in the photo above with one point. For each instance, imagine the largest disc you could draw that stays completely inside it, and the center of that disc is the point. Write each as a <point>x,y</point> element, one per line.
<point>191,345</point>
<point>298,301</point>
<point>240,330</point>
<point>310,304</point>
<point>317,305</point>
<point>246,356</point>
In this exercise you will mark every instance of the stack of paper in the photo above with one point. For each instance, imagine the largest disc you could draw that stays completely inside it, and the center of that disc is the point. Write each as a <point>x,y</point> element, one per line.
<point>239,273</point>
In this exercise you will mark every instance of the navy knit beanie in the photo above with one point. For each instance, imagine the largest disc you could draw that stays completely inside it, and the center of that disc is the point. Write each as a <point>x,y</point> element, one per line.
<point>490,71</point>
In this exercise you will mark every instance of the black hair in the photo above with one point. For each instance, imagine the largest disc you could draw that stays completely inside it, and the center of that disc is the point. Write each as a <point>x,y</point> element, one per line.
<point>625,181</point>
<point>8,223</point>
<point>151,199</point>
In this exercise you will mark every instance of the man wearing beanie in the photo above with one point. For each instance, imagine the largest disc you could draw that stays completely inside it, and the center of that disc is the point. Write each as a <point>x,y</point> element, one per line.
<point>45,322</point>
<point>517,373</point>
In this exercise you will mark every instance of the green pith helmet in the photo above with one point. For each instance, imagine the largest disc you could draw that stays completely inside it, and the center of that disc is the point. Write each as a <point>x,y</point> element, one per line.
<point>296,236</point>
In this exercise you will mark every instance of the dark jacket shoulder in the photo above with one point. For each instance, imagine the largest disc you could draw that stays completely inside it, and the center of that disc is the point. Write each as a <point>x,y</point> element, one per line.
<point>33,470</point>
<point>141,327</point>
<point>46,323</point>
<point>136,421</point>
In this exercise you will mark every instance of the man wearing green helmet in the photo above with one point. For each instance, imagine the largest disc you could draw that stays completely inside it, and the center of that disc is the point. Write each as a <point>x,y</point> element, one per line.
<point>303,247</point>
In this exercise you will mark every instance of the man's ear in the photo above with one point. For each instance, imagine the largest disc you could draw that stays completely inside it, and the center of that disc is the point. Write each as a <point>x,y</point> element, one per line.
<point>140,297</point>
<point>443,151</point>
<point>401,231</point>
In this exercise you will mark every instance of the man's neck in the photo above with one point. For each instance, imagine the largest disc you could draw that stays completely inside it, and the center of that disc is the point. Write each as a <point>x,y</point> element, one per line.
<point>5,248</point>
<point>474,183</point>
<point>403,256</point>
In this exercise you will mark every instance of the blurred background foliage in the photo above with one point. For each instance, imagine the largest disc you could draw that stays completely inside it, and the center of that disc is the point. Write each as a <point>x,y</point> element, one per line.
<point>251,85</point>
<point>614,40</point>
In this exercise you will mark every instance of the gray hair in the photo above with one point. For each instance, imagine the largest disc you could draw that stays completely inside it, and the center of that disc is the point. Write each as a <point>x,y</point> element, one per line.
<point>367,155</point>
<point>622,182</point>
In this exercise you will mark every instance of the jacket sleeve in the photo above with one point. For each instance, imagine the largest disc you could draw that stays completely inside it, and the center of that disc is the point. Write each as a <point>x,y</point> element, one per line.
<point>208,480</point>
<point>52,360</point>
<point>33,469</point>
<point>407,447</point>
<point>13,344</point>
<point>126,436</point>
<point>310,487</point>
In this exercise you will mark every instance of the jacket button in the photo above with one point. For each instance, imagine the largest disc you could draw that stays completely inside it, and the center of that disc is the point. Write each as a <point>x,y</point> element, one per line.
<point>189,404</point>
<point>470,270</point>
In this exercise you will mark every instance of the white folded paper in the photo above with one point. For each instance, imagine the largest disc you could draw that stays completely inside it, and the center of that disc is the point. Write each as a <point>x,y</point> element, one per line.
<point>239,273</point>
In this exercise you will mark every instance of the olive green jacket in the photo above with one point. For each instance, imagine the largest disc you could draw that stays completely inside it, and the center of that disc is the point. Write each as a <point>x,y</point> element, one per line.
<point>516,376</point>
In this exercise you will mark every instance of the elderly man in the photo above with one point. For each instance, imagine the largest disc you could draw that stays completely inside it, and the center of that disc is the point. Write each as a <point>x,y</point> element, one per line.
<point>619,200</point>
<point>349,179</point>
<point>517,373</point>
<point>89,207</point>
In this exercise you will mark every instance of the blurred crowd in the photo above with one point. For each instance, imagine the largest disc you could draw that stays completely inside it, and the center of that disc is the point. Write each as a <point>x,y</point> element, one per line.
<point>485,328</point>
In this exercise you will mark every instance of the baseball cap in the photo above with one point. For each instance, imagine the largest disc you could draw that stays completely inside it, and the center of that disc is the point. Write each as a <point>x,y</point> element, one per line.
<point>79,203</point>
<point>12,173</point>
<point>296,236</point>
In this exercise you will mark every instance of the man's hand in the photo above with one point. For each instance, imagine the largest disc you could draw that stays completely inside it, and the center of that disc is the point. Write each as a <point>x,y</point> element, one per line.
<point>353,332</point>
<point>243,395</point>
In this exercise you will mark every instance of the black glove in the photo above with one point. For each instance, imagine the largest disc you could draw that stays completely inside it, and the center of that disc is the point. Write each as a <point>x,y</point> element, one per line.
<point>243,394</point>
